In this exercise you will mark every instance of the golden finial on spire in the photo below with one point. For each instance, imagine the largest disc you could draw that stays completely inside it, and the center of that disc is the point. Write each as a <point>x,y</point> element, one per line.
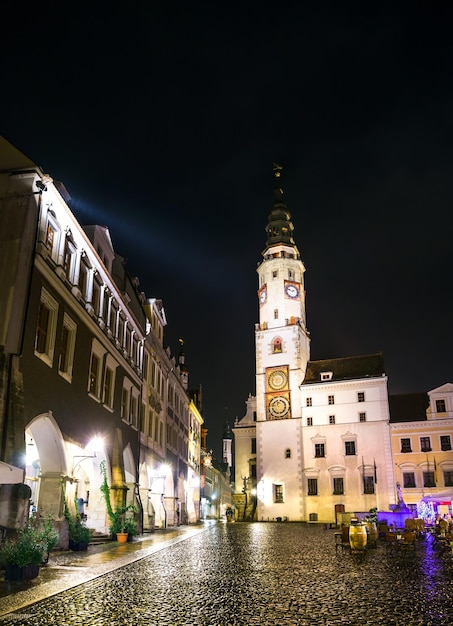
<point>277,170</point>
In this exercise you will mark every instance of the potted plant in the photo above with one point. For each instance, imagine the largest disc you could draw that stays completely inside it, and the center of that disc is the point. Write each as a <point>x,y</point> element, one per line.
<point>48,534</point>
<point>22,555</point>
<point>130,527</point>
<point>79,533</point>
<point>121,527</point>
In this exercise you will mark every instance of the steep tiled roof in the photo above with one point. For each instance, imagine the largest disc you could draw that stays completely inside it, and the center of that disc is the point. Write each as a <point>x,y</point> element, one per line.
<point>346,368</point>
<point>408,407</point>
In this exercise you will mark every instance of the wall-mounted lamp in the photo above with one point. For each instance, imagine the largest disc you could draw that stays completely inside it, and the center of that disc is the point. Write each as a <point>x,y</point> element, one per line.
<point>94,446</point>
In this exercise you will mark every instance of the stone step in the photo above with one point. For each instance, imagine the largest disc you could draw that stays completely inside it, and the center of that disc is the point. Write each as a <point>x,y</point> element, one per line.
<point>98,538</point>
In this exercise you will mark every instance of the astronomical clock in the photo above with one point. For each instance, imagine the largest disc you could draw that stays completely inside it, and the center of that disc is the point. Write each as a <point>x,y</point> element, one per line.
<point>278,401</point>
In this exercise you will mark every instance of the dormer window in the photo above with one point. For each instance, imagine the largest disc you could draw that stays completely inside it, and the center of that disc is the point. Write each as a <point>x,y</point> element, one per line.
<point>326,376</point>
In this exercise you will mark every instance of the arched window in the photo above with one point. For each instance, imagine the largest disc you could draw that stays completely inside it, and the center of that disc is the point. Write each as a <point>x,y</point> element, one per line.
<point>277,345</point>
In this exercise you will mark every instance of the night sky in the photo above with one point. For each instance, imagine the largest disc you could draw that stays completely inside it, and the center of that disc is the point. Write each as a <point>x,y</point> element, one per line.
<point>163,120</point>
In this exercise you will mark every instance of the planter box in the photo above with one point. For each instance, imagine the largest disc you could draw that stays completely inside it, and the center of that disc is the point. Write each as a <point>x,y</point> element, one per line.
<point>18,574</point>
<point>78,546</point>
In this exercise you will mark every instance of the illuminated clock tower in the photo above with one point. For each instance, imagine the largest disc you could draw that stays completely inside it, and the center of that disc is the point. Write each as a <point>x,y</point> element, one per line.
<point>282,354</point>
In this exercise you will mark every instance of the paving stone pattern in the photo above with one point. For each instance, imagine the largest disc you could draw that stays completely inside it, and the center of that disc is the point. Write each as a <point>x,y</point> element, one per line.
<point>260,574</point>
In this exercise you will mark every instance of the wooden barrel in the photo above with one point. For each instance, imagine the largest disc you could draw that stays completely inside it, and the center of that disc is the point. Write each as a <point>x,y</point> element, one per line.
<point>372,533</point>
<point>357,537</point>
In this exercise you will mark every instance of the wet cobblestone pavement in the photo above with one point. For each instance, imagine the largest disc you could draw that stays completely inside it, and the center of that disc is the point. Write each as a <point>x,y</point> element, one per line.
<point>260,574</point>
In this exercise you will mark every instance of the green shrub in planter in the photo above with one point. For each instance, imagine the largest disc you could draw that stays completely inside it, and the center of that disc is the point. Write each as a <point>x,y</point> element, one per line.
<point>79,534</point>
<point>28,548</point>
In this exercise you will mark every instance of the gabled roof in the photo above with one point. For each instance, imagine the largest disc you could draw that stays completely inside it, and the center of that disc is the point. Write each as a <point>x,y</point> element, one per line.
<point>13,159</point>
<point>346,368</point>
<point>408,407</point>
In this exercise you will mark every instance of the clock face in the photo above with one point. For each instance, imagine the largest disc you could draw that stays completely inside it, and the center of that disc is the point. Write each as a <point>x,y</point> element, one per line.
<point>292,291</point>
<point>263,296</point>
<point>278,380</point>
<point>278,406</point>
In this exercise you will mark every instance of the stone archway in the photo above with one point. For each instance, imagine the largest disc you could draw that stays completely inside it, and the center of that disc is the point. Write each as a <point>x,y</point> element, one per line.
<point>46,464</point>
<point>57,469</point>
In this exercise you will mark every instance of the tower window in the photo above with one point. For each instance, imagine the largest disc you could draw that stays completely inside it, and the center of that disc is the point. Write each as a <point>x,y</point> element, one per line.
<point>331,419</point>
<point>312,486</point>
<point>309,402</point>
<point>277,345</point>
<point>278,493</point>
<point>275,314</point>
<point>287,453</point>
<point>362,417</point>
<point>331,399</point>
<point>309,421</point>
<point>361,396</point>
<point>275,274</point>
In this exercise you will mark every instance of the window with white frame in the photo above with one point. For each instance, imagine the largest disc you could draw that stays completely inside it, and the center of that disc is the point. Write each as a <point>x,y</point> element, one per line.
<point>109,381</point>
<point>428,479</point>
<point>362,416</point>
<point>67,347</point>
<point>46,327</point>
<point>83,277</point>
<point>125,400</point>
<point>134,408</point>
<point>406,444</point>
<point>445,442</point>
<point>52,235</point>
<point>368,484</point>
<point>278,493</point>
<point>338,486</point>
<point>350,448</point>
<point>408,480</point>
<point>331,399</point>
<point>425,444</point>
<point>69,256</point>
<point>312,486</point>
<point>96,367</point>
<point>440,406</point>
<point>309,402</point>
<point>320,450</point>
<point>448,478</point>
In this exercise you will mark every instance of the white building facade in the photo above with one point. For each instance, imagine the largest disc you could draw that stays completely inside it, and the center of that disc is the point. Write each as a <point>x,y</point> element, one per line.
<point>315,442</point>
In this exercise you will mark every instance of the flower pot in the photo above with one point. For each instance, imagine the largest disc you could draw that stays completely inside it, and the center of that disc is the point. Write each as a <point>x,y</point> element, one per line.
<point>78,546</point>
<point>122,537</point>
<point>18,574</point>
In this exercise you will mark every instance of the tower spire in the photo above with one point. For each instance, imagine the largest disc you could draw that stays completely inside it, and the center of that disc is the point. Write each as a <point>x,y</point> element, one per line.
<point>279,228</point>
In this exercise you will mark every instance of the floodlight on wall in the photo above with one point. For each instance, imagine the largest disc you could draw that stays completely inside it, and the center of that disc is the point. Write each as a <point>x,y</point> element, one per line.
<point>94,446</point>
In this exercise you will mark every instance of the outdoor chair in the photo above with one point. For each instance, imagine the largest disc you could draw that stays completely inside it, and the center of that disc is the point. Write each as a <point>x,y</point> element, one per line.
<point>408,540</point>
<point>342,539</point>
<point>391,540</point>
